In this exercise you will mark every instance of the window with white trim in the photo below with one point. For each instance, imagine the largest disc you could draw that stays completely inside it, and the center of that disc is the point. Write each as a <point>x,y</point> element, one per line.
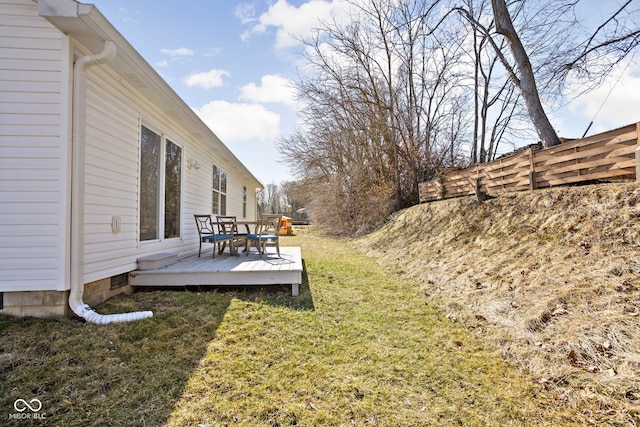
<point>160,186</point>
<point>244,201</point>
<point>172,189</point>
<point>219,191</point>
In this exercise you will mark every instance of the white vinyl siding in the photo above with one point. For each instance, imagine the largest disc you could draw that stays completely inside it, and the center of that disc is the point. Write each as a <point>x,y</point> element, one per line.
<point>35,161</point>
<point>111,178</point>
<point>34,157</point>
<point>115,113</point>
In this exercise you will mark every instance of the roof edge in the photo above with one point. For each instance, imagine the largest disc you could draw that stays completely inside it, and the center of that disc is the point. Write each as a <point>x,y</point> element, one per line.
<point>63,8</point>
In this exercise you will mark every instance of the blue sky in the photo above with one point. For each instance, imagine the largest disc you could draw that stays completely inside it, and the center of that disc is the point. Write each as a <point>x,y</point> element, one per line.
<point>233,62</point>
<point>230,61</point>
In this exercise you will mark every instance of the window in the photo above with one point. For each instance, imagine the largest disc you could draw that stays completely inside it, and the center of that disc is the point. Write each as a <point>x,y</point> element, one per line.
<point>149,184</point>
<point>219,191</point>
<point>160,199</point>
<point>172,187</point>
<point>244,201</point>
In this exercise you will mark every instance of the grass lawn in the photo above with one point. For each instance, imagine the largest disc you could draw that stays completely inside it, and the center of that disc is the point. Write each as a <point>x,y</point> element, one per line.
<point>357,347</point>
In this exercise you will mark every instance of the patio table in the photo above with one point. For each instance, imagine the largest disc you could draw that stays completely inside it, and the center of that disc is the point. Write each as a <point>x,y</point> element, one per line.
<point>247,224</point>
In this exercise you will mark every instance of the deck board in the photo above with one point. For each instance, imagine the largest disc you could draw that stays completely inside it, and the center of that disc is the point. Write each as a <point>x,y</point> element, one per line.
<point>241,270</point>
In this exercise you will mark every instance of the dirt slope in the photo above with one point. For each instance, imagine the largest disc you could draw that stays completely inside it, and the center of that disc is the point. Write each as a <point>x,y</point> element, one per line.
<point>550,279</point>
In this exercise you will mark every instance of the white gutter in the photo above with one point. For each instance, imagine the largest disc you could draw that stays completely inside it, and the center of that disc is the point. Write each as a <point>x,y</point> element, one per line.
<point>76,303</point>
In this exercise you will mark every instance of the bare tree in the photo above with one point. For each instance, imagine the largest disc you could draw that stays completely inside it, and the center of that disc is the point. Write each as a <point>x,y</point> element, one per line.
<point>270,200</point>
<point>521,73</point>
<point>496,102</point>
<point>606,46</point>
<point>526,82</point>
<point>384,110</point>
<point>402,88</point>
<point>545,26</point>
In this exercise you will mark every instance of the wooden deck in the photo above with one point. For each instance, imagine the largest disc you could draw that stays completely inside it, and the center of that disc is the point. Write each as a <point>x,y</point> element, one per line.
<point>225,270</point>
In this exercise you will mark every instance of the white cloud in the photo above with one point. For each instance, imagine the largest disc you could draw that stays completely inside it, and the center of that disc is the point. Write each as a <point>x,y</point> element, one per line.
<point>613,104</point>
<point>272,89</point>
<point>240,121</point>
<point>207,79</point>
<point>245,36</point>
<point>183,51</point>
<point>125,16</point>
<point>246,12</point>
<point>294,22</point>
<point>211,52</point>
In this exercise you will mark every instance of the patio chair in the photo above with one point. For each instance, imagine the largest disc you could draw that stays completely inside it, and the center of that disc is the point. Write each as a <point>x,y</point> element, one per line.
<point>207,234</point>
<point>267,234</point>
<point>227,225</point>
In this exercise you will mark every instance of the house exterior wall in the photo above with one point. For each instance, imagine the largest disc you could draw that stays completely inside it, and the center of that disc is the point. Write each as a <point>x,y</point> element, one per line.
<point>111,177</point>
<point>115,112</point>
<point>36,75</point>
<point>34,150</point>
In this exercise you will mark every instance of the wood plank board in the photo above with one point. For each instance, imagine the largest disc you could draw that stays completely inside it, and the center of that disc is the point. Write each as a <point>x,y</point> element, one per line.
<point>584,168</point>
<point>609,174</point>
<point>622,148</point>
<point>225,270</point>
<point>609,155</point>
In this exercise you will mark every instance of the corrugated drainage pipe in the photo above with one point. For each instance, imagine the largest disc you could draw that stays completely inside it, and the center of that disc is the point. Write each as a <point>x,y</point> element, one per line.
<point>76,303</point>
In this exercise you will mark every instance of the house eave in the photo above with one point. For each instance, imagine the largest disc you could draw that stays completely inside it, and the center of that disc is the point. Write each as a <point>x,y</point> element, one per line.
<point>86,24</point>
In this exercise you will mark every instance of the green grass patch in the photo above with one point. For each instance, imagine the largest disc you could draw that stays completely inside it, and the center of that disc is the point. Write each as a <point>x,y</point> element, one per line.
<point>359,346</point>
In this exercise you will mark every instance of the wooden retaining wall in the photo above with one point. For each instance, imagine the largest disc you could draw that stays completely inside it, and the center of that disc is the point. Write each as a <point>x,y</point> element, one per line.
<point>605,156</point>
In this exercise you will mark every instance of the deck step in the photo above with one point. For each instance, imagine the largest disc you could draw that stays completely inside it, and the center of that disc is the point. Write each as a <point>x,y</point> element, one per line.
<point>155,261</point>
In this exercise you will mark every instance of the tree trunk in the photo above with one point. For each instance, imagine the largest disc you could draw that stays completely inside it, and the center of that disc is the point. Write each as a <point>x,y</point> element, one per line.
<point>526,83</point>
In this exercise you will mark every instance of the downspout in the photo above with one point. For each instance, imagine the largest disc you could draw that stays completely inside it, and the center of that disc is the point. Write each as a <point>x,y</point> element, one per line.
<point>77,192</point>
